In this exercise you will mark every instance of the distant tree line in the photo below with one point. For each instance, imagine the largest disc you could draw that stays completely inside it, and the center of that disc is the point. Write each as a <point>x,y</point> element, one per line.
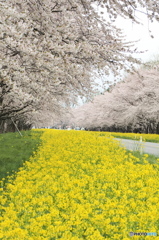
<point>130,106</point>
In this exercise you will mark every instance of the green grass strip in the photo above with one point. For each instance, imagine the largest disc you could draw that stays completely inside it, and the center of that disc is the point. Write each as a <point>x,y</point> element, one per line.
<point>15,150</point>
<point>152,159</point>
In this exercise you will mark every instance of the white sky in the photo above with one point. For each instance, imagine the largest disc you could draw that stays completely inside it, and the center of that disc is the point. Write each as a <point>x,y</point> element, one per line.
<point>141,32</point>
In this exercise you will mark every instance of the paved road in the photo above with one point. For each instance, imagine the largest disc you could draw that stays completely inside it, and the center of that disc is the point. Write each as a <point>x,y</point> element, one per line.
<point>145,147</point>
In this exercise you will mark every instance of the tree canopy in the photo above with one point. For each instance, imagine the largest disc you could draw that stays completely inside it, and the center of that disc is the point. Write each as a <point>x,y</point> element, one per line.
<point>129,106</point>
<point>49,50</point>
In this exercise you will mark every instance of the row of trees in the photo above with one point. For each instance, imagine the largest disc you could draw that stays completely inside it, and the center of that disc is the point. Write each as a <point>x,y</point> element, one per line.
<point>130,106</point>
<point>49,50</point>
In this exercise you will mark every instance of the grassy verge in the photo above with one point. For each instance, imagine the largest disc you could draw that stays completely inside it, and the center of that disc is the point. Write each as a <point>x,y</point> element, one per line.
<point>15,150</point>
<point>150,158</point>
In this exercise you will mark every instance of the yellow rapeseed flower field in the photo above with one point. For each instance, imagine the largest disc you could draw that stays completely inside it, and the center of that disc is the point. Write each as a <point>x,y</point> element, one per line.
<point>136,136</point>
<point>80,185</point>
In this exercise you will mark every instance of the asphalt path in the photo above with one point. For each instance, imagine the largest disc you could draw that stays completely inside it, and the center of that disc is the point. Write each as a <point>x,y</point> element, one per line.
<point>143,147</point>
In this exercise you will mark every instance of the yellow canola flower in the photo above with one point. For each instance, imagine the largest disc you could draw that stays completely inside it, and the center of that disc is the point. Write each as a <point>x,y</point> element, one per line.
<point>77,186</point>
<point>135,136</point>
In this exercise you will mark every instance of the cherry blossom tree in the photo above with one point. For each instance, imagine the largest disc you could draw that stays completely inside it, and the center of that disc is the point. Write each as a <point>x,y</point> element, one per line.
<point>131,106</point>
<point>50,49</point>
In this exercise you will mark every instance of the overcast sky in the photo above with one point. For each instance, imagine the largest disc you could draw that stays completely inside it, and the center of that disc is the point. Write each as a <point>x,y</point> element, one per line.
<point>141,32</point>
